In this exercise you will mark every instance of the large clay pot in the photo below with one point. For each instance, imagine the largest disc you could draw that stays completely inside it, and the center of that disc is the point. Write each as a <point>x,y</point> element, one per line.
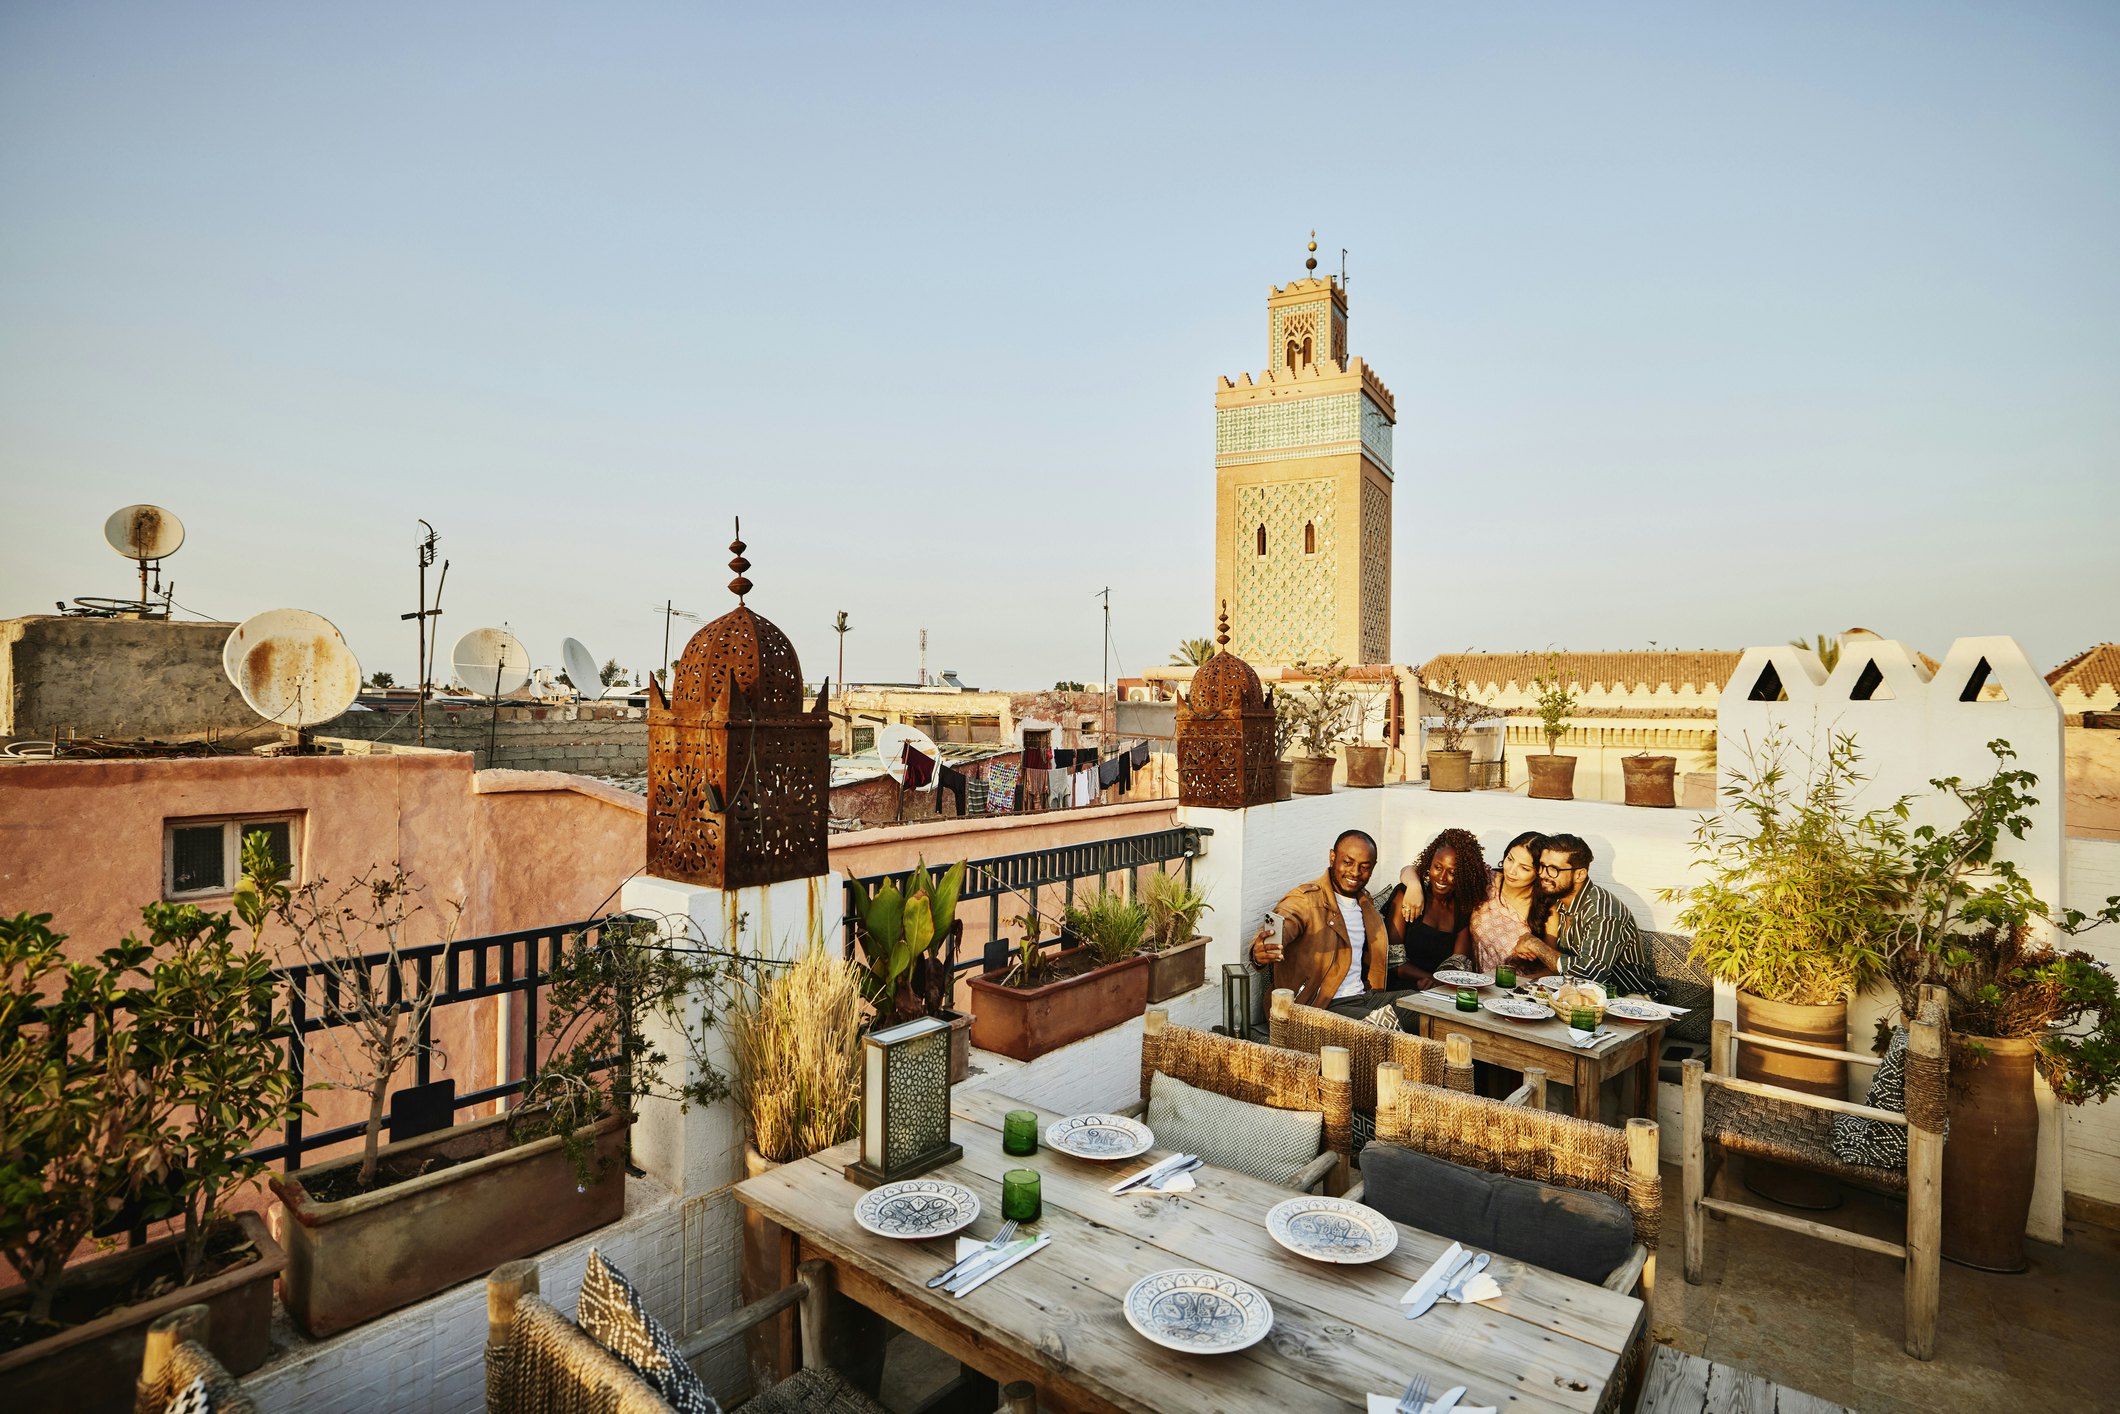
<point>1825,1026</point>
<point>1284,780</point>
<point>1989,1159</point>
<point>1314,775</point>
<point>1552,777</point>
<point>1365,765</point>
<point>1650,780</point>
<point>1450,770</point>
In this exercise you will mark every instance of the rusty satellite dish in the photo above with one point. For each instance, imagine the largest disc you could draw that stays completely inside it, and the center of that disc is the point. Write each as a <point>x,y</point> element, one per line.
<point>891,741</point>
<point>144,533</point>
<point>581,668</point>
<point>292,667</point>
<point>492,661</point>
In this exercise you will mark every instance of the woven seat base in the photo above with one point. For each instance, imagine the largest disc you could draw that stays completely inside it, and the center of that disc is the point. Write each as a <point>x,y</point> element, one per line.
<point>1787,1133</point>
<point>812,1390</point>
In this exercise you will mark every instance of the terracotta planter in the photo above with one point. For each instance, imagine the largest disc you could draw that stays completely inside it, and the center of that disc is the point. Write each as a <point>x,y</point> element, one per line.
<point>1176,970</point>
<point>1314,775</point>
<point>351,1260</point>
<point>1650,780</point>
<point>1365,766</point>
<point>1989,1159</point>
<point>1450,770</point>
<point>960,1043</point>
<point>1284,780</point>
<point>1552,777</point>
<point>1026,1022</point>
<point>91,1367</point>
<point>1815,1026</point>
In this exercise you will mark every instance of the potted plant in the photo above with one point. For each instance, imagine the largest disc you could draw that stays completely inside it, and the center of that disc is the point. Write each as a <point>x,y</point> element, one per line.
<point>1791,906</point>
<point>1284,737</point>
<point>1650,780</point>
<point>908,941</point>
<point>1450,765</point>
<point>1322,710</point>
<point>1177,950</point>
<point>395,1223</point>
<point>2017,1005</point>
<point>1553,775</point>
<point>1041,1002</point>
<point>137,1081</point>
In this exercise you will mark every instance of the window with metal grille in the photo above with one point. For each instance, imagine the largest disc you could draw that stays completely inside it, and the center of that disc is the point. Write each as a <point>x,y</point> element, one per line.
<point>203,858</point>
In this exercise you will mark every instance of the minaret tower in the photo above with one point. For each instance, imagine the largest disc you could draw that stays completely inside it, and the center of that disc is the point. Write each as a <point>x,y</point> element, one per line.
<point>1303,488</point>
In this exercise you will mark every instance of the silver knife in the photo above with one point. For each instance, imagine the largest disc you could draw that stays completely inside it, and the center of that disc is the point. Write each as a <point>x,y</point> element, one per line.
<point>1456,1289</point>
<point>1447,1401</point>
<point>1154,1170</point>
<point>950,1272</point>
<point>1435,1293</point>
<point>1164,1178</point>
<point>986,1262</point>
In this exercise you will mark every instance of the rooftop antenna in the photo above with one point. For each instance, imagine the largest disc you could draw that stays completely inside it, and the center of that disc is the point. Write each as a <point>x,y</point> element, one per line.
<point>427,620</point>
<point>841,627</point>
<point>669,610</point>
<point>1104,727</point>
<point>293,668</point>
<point>145,534</point>
<point>1343,270</point>
<point>588,680</point>
<point>923,657</point>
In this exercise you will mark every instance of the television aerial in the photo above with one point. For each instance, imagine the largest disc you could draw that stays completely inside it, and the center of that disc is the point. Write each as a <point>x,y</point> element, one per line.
<point>891,742</point>
<point>581,668</point>
<point>492,661</point>
<point>145,535</point>
<point>293,668</point>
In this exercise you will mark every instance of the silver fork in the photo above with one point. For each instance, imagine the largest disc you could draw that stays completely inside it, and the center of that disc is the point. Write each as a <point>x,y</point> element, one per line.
<point>1415,1397</point>
<point>956,1268</point>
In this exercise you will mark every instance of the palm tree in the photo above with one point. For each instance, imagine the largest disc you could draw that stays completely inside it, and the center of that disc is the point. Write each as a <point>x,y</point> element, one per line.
<point>1192,652</point>
<point>1826,646</point>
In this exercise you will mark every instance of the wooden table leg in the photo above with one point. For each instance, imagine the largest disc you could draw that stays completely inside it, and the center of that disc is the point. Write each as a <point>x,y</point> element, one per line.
<point>1589,1077</point>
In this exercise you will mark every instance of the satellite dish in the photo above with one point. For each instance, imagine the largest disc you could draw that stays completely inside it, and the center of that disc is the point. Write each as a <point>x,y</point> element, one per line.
<point>144,533</point>
<point>293,667</point>
<point>891,742</point>
<point>491,661</point>
<point>581,667</point>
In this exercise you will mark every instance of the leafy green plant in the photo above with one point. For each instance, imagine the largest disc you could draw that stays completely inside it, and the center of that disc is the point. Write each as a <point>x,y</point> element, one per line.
<point>904,936</point>
<point>1173,908</point>
<point>1825,645</point>
<point>1796,891</point>
<point>1192,652</point>
<point>1323,711</point>
<point>1555,701</point>
<point>1460,711</point>
<point>1109,924</point>
<point>1969,927</point>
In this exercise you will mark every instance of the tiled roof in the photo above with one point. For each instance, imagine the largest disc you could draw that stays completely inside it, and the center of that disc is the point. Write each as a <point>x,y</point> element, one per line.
<point>2095,667</point>
<point>1705,670</point>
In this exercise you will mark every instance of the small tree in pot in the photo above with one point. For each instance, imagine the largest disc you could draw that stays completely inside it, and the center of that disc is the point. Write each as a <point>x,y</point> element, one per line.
<point>1450,763</point>
<point>1553,775</point>
<point>1323,710</point>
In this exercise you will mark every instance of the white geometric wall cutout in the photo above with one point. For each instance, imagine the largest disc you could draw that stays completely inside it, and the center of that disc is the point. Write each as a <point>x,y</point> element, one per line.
<point>1868,682</point>
<point>1876,670</point>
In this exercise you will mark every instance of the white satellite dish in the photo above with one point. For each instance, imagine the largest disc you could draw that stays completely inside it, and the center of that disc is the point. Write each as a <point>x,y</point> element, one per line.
<point>581,667</point>
<point>492,661</point>
<point>891,742</point>
<point>144,533</point>
<point>293,667</point>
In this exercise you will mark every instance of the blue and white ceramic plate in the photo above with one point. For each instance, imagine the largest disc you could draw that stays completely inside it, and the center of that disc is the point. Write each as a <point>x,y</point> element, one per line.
<point>1449,977</point>
<point>1634,1009</point>
<point>917,1208</point>
<point>1517,1008</point>
<point>1103,1137</point>
<point>1198,1311</point>
<point>1331,1229</point>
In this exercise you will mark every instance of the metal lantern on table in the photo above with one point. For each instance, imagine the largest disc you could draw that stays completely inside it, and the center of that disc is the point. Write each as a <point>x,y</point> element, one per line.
<point>1225,733</point>
<point>905,1103</point>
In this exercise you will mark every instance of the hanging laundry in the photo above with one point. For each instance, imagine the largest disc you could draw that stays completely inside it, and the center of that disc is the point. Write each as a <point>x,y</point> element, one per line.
<point>1085,787</point>
<point>1001,787</point>
<point>1037,758</point>
<point>919,769</point>
<point>1035,786</point>
<point>1060,789</point>
<point>974,796</point>
<point>1108,772</point>
<point>1064,758</point>
<point>951,784</point>
<point>1138,759</point>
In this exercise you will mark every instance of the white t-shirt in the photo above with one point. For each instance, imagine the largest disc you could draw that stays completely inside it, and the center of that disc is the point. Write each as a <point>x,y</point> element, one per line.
<point>1356,982</point>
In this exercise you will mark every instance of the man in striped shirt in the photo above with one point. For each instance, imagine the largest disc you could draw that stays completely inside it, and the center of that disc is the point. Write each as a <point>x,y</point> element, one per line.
<point>1597,937</point>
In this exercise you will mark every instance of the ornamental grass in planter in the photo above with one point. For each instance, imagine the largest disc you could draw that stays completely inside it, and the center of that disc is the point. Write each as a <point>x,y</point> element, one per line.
<point>1043,1000</point>
<point>1176,949</point>
<point>136,1082</point>
<point>2018,1005</point>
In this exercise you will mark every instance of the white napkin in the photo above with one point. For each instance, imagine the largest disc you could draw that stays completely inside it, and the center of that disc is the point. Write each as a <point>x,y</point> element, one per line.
<point>1182,1183</point>
<point>1455,1251</point>
<point>1586,1039</point>
<point>1480,1288</point>
<point>1389,1404</point>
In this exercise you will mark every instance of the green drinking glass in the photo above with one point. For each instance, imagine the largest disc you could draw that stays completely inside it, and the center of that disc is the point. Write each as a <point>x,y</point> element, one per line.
<point>1505,977</point>
<point>1583,1018</point>
<point>1467,999</point>
<point>1019,1195</point>
<point>1019,1133</point>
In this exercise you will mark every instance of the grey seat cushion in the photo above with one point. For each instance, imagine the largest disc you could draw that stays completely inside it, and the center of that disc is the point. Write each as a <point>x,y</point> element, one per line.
<point>1565,1230</point>
<point>1264,1142</point>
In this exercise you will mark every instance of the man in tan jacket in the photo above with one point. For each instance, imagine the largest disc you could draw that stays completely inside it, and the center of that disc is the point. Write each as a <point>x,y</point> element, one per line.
<point>1316,954</point>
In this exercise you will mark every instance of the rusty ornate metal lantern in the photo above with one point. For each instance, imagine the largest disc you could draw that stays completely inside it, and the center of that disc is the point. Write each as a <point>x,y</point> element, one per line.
<point>1225,734</point>
<point>738,771</point>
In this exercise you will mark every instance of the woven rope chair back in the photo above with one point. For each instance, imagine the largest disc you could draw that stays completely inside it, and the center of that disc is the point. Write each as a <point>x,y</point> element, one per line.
<point>189,1361</point>
<point>547,1365</point>
<point>1259,1075</point>
<point>1295,1027</point>
<point>1526,1143</point>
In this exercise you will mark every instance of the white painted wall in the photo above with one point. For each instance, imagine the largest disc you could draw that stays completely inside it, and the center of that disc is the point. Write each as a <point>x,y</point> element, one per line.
<point>2091,1133</point>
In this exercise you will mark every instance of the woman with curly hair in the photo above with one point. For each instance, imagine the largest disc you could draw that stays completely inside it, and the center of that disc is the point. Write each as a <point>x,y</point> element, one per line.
<point>1438,894</point>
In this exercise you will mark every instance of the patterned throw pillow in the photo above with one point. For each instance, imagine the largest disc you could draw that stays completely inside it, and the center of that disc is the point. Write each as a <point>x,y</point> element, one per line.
<point>1872,1142</point>
<point>610,1311</point>
<point>192,1399</point>
<point>1266,1143</point>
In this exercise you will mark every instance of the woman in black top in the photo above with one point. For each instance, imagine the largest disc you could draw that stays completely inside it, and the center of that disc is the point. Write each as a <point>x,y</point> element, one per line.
<point>1430,913</point>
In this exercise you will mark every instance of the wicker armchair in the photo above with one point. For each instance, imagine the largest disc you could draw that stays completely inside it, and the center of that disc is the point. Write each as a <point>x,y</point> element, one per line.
<point>1724,1114</point>
<point>176,1354</point>
<point>1259,1075</point>
<point>1295,1027</point>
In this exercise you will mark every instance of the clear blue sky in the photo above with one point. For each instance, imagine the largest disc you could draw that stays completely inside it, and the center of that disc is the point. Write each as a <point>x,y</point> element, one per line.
<point>1708,325</point>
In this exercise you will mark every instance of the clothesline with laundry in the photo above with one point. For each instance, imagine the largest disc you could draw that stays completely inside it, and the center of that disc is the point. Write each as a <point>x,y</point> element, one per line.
<point>1044,778</point>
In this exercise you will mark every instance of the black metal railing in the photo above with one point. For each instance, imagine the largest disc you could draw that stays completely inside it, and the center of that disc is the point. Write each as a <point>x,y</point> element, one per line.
<point>460,973</point>
<point>1028,874</point>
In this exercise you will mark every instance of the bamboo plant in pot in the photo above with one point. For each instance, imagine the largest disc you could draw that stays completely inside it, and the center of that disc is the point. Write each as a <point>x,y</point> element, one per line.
<point>1553,775</point>
<point>1450,764</point>
<point>1323,710</point>
<point>1177,950</point>
<point>1792,907</point>
<point>2018,1005</point>
<point>908,939</point>
<point>137,1082</point>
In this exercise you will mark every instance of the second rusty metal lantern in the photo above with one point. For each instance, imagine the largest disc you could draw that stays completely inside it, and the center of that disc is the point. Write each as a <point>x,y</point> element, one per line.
<point>738,771</point>
<point>1225,734</point>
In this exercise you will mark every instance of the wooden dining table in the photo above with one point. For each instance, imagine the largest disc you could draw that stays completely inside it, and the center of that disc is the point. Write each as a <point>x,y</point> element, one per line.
<point>1632,1050</point>
<point>1546,1343</point>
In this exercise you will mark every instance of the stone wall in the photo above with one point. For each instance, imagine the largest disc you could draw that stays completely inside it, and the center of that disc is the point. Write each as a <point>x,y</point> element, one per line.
<point>127,678</point>
<point>588,739</point>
